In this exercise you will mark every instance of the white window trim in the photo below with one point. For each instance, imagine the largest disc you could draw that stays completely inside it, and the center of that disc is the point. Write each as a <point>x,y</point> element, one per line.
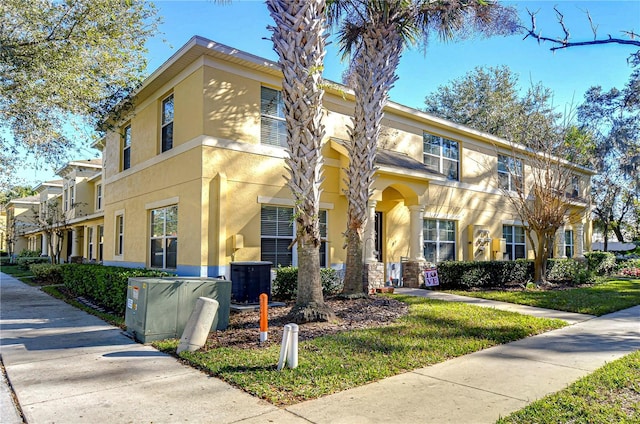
<point>164,237</point>
<point>162,203</point>
<point>438,241</point>
<point>164,124</point>
<point>294,248</point>
<point>513,244</point>
<point>441,158</point>
<point>508,173</point>
<point>119,213</point>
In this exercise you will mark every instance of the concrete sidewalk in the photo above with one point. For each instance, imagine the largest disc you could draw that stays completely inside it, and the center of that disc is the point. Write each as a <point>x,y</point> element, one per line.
<point>69,367</point>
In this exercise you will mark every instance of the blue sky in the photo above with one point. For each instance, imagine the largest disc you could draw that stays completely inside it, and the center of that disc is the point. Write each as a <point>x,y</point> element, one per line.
<point>568,73</point>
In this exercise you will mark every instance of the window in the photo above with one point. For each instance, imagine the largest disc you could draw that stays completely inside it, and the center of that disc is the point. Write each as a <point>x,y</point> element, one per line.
<point>90,243</point>
<point>65,198</point>
<point>442,155</point>
<point>100,242</point>
<point>119,235</point>
<point>277,231</point>
<point>575,187</point>
<point>164,237</point>
<point>568,243</point>
<point>167,123</point>
<point>126,146</point>
<point>509,173</point>
<point>439,240</point>
<point>273,130</point>
<point>72,196</point>
<point>99,197</point>
<point>516,241</point>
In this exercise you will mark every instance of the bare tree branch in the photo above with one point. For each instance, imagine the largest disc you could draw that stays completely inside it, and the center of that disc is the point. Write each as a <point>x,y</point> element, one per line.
<point>563,42</point>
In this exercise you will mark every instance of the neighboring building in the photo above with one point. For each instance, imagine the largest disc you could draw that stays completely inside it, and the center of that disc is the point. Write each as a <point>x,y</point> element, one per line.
<point>21,221</point>
<point>3,229</point>
<point>66,212</point>
<point>193,179</point>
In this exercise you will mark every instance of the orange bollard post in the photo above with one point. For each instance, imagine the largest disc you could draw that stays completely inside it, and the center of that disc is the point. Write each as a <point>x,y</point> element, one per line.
<point>264,317</point>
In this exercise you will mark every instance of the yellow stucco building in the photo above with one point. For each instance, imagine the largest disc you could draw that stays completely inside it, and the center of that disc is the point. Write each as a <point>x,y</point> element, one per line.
<point>193,178</point>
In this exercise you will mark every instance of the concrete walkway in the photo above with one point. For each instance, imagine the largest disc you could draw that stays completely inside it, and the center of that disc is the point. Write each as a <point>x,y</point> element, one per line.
<point>69,367</point>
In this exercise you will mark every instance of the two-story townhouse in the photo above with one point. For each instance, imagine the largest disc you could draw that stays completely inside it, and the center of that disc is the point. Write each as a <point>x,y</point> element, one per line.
<point>66,213</point>
<point>21,222</point>
<point>82,207</point>
<point>194,177</point>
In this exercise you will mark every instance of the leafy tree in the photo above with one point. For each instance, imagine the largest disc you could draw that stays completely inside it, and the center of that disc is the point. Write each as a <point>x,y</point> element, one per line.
<point>63,65</point>
<point>488,100</point>
<point>613,120</point>
<point>54,223</point>
<point>374,33</point>
<point>15,192</point>
<point>299,39</point>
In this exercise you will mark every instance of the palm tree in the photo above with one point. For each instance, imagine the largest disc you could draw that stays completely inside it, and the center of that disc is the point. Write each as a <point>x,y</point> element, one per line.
<point>299,39</point>
<point>374,33</point>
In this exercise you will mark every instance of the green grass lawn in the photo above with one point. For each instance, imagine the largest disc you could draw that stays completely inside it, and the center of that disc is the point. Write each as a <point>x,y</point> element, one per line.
<point>17,272</point>
<point>609,395</point>
<point>600,299</point>
<point>432,332</point>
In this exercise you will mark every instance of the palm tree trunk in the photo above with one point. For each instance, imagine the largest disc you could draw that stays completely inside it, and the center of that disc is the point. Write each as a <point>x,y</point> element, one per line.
<point>373,73</point>
<point>299,39</point>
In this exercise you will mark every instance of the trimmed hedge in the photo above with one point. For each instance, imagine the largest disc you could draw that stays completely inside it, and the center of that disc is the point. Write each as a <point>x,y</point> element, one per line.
<point>104,285</point>
<point>568,271</point>
<point>485,274</point>
<point>47,273</point>
<point>601,263</point>
<point>285,285</point>
<point>24,262</point>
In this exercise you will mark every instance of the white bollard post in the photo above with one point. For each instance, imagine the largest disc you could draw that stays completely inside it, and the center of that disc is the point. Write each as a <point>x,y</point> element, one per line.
<point>284,347</point>
<point>292,354</point>
<point>198,327</point>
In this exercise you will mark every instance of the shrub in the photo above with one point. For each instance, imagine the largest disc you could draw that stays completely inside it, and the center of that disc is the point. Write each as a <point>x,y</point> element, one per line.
<point>568,271</point>
<point>485,274</point>
<point>285,285</point>
<point>3,253</point>
<point>26,253</point>
<point>105,285</point>
<point>24,262</point>
<point>47,273</point>
<point>601,263</point>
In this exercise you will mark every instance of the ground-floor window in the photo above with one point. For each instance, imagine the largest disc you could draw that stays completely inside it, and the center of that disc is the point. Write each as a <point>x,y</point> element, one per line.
<point>568,243</point>
<point>439,240</point>
<point>516,241</point>
<point>164,237</point>
<point>90,243</point>
<point>119,235</point>
<point>100,242</point>
<point>277,232</point>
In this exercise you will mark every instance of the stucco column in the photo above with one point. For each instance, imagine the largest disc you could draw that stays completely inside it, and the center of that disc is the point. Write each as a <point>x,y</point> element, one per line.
<point>370,234</point>
<point>45,244</point>
<point>74,241</point>
<point>578,240</point>
<point>416,242</point>
<point>561,252</point>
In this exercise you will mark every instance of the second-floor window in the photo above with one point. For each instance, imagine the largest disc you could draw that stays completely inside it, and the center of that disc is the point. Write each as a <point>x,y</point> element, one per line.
<point>442,155</point>
<point>509,173</point>
<point>516,241</point>
<point>126,147</point>
<point>99,197</point>
<point>273,130</point>
<point>167,124</point>
<point>574,190</point>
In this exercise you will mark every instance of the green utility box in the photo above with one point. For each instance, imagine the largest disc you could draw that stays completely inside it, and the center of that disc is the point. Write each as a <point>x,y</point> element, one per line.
<point>159,308</point>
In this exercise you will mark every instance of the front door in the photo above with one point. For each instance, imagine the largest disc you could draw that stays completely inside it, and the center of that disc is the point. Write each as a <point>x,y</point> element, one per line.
<point>379,236</point>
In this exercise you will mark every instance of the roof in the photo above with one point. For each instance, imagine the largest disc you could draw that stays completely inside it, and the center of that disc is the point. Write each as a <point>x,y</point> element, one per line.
<point>86,163</point>
<point>199,46</point>
<point>402,160</point>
